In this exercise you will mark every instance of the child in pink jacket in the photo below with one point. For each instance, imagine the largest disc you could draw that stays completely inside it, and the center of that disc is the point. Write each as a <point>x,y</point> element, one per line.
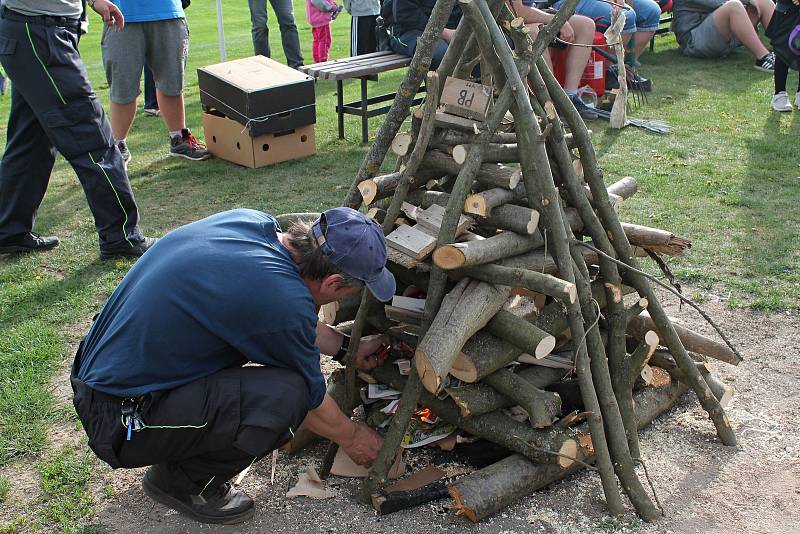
<point>320,13</point>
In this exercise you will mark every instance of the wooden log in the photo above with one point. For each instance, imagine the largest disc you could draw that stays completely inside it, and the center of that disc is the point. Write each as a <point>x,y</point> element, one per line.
<point>384,186</point>
<point>553,445</point>
<point>656,240</point>
<point>386,503</point>
<point>482,203</point>
<point>480,398</point>
<point>464,311</point>
<point>446,137</point>
<point>535,281</point>
<point>401,143</point>
<point>425,198</point>
<point>500,246</point>
<point>482,355</point>
<point>626,187</point>
<point>521,333</point>
<point>691,340</point>
<point>486,492</point>
<point>519,219</point>
<point>491,174</point>
<point>722,391</point>
<point>542,406</point>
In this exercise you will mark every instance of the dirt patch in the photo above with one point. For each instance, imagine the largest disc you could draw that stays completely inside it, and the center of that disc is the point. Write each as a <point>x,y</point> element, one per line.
<point>703,486</point>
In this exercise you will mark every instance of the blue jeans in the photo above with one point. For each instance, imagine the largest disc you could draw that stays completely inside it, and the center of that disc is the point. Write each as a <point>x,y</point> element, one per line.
<point>643,17</point>
<point>284,11</point>
<point>406,44</point>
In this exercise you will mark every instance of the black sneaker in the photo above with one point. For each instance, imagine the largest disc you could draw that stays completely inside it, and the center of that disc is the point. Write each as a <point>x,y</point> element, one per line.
<point>223,505</point>
<point>125,250</point>
<point>766,63</point>
<point>587,112</point>
<point>187,146</point>
<point>125,152</point>
<point>30,242</point>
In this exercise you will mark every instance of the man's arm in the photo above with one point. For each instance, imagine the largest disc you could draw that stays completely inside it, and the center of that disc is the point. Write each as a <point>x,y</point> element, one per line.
<point>329,341</point>
<point>110,13</point>
<point>358,441</point>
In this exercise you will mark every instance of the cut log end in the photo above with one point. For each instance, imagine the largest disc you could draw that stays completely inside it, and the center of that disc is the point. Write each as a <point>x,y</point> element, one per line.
<point>545,347</point>
<point>652,339</point>
<point>513,182</point>
<point>460,154</point>
<point>476,205</point>
<point>401,143</point>
<point>368,190</point>
<point>644,303</point>
<point>571,293</point>
<point>427,374</point>
<point>449,257</point>
<point>460,507</point>
<point>568,452</point>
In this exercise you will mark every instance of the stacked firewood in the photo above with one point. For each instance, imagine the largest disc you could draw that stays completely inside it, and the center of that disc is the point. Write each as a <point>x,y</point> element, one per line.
<point>519,286</point>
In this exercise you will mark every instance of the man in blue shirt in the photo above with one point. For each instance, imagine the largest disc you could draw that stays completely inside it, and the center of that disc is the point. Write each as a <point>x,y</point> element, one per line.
<point>161,380</point>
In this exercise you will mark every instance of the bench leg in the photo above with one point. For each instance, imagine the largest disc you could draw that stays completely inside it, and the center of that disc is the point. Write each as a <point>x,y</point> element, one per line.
<point>364,112</point>
<point>340,106</point>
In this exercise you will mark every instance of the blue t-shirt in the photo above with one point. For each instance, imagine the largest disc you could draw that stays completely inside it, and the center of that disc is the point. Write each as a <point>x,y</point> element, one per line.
<point>213,294</point>
<point>150,10</point>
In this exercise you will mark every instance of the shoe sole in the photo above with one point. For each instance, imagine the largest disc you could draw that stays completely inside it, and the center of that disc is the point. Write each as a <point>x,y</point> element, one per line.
<point>12,249</point>
<point>169,501</point>
<point>190,158</point>
<point>762,69</point>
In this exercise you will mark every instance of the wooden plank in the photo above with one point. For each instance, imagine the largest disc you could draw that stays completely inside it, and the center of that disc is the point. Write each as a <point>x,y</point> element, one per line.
<point>363,58</point>
<point>411,241</point>
<point>448,120</point>
<point>411,211</point>
<point>408,303</point>
<point>431,220</point>
<point>404,260</point>
<point>401,315</point>
<point>359,72</point>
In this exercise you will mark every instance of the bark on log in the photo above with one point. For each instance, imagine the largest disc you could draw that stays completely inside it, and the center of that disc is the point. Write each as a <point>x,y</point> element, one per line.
<point>656,240</point>
<point>542,406</point>
<point>464,311</point>
<point>385,185</point>
<point>480,398</point>
<point>484,202</point>
<point>482,355</point>
<point>524,335</point>
<point>486,492</point>
<point>491,174</point>
<point>387,503</point>
<point>535,281</point>
<point>691,340</point>
<point>722,391</point>
<point>626,187</point>
<point>519,219</point>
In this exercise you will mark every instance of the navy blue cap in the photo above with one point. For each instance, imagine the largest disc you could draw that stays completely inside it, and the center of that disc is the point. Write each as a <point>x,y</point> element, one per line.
<point>354,244</point>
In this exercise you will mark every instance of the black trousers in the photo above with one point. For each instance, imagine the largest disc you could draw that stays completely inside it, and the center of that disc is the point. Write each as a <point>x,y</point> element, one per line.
<point>54,109</point>
<point>363,35</point>
<point>203,433</point>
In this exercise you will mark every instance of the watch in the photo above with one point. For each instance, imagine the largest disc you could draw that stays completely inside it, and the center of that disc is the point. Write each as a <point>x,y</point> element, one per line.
<point>339,356</point>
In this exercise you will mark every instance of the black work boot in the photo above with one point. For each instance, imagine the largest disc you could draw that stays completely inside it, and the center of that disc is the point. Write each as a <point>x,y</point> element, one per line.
<point>29,242</point>
<point>125,250</point>
<point>222,505</point>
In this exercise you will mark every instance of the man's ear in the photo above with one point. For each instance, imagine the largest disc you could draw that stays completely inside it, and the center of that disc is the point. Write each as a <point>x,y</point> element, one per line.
<point>332,282</point>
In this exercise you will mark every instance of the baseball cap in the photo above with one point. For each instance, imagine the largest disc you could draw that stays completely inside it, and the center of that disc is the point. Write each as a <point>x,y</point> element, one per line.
<point>354,244</point>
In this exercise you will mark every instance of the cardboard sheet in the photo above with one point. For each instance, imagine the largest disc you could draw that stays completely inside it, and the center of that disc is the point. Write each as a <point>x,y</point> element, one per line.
<point>344,466</point>
<point>423,477</point>
<point>310,485</point>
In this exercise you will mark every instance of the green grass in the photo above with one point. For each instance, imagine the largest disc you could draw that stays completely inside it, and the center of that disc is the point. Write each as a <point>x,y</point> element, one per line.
<point>728,178</point>
<point>5,487</point>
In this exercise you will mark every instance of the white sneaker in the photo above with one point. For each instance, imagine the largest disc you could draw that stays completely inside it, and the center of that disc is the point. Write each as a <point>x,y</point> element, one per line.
<point>797,99</point>
<point>780,102</point>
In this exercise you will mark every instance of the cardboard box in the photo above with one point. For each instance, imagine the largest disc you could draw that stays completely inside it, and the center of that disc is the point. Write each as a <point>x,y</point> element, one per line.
<point>466,99</point>
<point>259,93</point>
<point>225,139</point>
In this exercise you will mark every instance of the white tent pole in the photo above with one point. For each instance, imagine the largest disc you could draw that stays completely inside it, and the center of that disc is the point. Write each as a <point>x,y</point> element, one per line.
<point>221,32</point>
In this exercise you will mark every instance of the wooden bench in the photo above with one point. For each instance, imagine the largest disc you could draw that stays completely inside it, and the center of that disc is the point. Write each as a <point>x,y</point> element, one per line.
<point>364,68</point>
<point>664,26</point>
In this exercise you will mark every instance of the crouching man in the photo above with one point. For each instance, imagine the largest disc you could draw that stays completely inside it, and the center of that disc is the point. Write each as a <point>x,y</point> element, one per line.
<point>160,380</point>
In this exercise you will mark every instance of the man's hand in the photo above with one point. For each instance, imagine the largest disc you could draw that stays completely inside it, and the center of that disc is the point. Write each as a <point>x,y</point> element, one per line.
<point>364,446</point>
<point>110,13</point>
<point>567,33</point>
<point>447,34</point>
<point>366,358</point>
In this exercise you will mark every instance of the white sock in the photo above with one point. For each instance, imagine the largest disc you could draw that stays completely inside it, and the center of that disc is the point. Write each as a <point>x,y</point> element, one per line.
<point>571,92</point>
<point>176,133</point>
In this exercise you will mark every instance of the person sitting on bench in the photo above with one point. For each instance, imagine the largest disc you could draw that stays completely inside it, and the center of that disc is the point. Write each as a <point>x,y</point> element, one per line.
<point>408,19</point>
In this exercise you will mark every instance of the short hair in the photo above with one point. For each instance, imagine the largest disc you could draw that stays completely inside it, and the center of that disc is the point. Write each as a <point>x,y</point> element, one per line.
<point>312,261</point>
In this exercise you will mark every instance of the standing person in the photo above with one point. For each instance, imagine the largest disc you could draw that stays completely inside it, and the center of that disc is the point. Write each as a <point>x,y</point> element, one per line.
<point>284,11</point>
<point>320,13</point>
<point>363,28</point>
<point>167,353</point>
<point>713,29</point>
<point>784,33</point>
<point>54,109</point>
<point>156,35</point>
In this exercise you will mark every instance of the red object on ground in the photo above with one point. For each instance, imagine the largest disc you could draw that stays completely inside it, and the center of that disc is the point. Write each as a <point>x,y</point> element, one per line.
<point>595,73</point>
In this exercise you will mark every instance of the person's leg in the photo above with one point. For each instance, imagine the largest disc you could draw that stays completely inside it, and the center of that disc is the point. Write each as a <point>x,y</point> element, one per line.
<point>316,44</point>
<point>25,170</point>
<point>761,11</point>
<point>648,15</point>
<point>364,34</point>
<point>59,93</point>
<point>731,20</point>
<point>578,56</point>
<point>327,41</point>
<point>124,60</point>
<point>780,100</point>
<point>406,43</point>
<point>438,53</point>
<point>259,27</point>
<point>150,100</point>
<point>284,12</point>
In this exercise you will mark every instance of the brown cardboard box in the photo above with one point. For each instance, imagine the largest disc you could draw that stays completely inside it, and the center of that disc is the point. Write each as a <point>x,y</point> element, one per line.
<point>260,93</point>
<point>228,140</point>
